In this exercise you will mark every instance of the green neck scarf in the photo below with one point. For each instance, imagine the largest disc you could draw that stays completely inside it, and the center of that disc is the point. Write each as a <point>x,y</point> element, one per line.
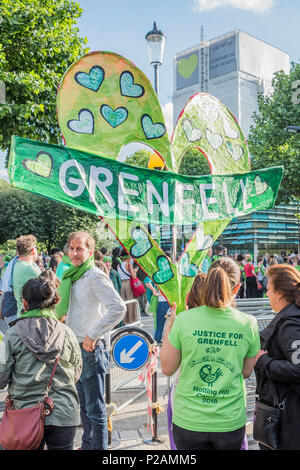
<point>70,276</point>
<point>38,312</point>
<point>66,259</point>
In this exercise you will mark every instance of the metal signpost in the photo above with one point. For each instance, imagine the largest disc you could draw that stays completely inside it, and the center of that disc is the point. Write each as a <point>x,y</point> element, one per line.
<point>130,348</point>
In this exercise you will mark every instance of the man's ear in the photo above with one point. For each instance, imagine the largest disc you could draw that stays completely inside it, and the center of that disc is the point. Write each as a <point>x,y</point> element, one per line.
<point>25,305</point>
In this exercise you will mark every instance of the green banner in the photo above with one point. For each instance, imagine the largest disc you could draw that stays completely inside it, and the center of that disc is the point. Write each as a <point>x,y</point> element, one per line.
<point>110,188</point>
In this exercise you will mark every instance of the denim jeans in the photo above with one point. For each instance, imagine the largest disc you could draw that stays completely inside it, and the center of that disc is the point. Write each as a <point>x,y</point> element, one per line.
<point>58,437</point>
<point>90,388</point>
<point>195,440</point>
<point>162,308</point>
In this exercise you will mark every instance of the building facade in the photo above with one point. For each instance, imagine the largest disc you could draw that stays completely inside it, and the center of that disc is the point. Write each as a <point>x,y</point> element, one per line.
<point>234,68</point>
<point>271,231</point>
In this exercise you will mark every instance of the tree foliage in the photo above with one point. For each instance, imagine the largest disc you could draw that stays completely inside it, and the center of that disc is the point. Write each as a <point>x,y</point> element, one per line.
<point>38,42</point>
<point>194,163</point>
<point>24,213</point>
<point>269,143</point>
<point>139,158</point>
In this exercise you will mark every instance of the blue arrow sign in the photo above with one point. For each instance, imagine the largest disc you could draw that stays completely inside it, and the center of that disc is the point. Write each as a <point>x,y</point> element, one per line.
<point>130,352</point>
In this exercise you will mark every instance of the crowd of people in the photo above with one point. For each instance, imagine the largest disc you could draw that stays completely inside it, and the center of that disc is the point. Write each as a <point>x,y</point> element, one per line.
<point>63,306</point>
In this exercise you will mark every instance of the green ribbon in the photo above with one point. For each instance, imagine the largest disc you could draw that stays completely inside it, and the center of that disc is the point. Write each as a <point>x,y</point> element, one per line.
<point>70,276</point>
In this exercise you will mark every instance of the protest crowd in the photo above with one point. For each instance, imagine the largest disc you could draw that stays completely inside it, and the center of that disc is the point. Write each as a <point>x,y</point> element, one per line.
<point>61,307</point>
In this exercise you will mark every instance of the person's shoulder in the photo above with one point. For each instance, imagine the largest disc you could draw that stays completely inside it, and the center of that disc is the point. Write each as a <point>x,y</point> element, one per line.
<point>244,318</point>
<point>95,273</point>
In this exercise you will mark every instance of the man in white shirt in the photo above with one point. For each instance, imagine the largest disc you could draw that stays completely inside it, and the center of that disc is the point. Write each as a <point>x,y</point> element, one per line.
<point>93,308</point>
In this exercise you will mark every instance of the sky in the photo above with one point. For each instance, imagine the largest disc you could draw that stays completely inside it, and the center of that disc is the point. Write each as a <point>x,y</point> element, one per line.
<point>121,25</point>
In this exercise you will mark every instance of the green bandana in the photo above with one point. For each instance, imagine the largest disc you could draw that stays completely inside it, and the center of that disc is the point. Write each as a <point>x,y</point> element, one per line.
<point>70,276</point>
<point>44,312</point>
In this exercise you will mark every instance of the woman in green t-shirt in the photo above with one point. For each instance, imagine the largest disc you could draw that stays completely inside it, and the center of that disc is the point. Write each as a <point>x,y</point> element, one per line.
<point>215,347</point>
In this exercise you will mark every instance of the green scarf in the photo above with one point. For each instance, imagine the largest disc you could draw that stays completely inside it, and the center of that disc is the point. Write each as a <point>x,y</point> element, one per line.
<point>66,259</point>
<point>44,312</point>
<point>70,276</point>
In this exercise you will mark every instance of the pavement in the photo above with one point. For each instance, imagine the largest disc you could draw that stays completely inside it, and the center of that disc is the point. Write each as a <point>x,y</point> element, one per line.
<point>129,401</point>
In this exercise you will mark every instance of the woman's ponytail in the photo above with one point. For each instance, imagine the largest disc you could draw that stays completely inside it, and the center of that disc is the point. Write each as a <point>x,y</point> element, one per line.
<point>223,275</point>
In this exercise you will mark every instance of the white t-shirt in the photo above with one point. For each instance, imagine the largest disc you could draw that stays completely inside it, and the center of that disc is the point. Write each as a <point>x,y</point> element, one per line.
<point>123,272</point>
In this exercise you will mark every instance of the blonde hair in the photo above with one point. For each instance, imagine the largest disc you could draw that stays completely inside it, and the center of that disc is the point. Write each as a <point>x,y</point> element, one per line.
<point>222,277</point>
<point>195,296</point>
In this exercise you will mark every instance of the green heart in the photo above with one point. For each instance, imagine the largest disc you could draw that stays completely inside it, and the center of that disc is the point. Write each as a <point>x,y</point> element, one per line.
<point>185,268</point>
<point>165,272</point>
<point>186,66</point>
<point>142,245</point>
<point>41,166</point>
<point>260,187</point>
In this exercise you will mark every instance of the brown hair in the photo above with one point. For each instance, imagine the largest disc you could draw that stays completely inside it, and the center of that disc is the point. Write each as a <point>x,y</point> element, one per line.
<point>102,266</point>
<point>194,299</point>
<point>89,242</point>
<point>24,244</point>
<point>222,277</point>
<point>286,281</point>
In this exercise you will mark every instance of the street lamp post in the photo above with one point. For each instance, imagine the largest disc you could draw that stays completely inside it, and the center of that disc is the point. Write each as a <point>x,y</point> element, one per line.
<point>156,45</point>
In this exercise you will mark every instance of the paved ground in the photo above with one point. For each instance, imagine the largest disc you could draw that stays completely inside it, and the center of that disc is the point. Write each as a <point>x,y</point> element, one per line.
<point>129,423</point>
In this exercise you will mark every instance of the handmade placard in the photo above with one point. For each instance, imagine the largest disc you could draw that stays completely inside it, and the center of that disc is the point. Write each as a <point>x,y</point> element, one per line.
<point>105,102</point>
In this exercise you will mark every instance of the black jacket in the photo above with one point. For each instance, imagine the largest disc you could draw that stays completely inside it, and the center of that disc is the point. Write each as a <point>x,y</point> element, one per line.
<point>281,365</point>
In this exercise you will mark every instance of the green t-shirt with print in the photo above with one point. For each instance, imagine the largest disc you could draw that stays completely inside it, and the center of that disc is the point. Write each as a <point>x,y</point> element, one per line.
<point>210,395</point>
<point>23,271</point>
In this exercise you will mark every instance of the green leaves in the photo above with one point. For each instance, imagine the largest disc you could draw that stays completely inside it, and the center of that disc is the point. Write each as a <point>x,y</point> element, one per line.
<point>269,143</point>
<point>51,222</point>
<point>38,42</point>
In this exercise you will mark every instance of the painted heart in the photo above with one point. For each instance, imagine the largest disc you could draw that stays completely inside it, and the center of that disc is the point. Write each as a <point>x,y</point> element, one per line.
<point>142,245</point>
<point>128,87</point>
<point>210,111</point>
<point>185,268</point>
<point>114,117</point>
<point>186,66</point>
<point>92,80</point>
<point>41,166</point>
<point>192,135</point>
<point>152,131</point>
<point>84,124</point>
<point>164,273</point>
<point>236,151</point>
<point>203,242</point>
<point>260,187</point>
<point>215,140</point>
<point>229,132</point>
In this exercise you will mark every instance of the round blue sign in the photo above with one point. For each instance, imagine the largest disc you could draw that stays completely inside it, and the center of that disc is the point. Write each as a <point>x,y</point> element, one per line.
<point>130,352</point>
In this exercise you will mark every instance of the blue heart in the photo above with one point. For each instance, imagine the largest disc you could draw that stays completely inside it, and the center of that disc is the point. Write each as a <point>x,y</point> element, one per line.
<point>142,245</point>
<point>91,80</point>
<point>128,88</point>
<point>165,272</point>
<point>114,117</point>
<point>152,131</point>
<point>185,268</point>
